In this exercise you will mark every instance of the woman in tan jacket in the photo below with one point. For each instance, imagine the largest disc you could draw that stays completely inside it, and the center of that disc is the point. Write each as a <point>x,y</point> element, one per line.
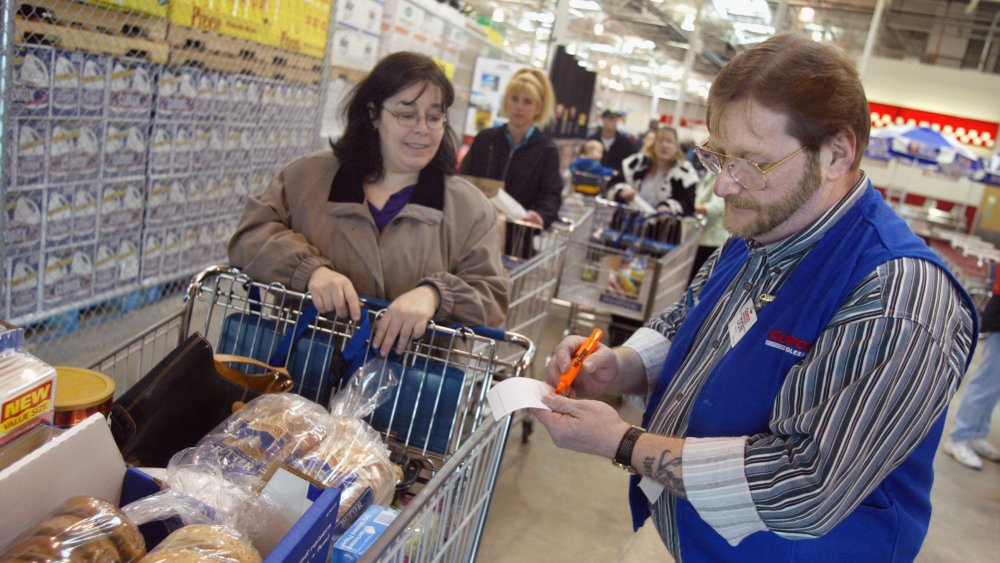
<point>383,215</point>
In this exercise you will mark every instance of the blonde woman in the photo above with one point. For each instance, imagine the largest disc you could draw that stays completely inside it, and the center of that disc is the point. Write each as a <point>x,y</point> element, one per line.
<point>660,175</point>
<point>518,153</point>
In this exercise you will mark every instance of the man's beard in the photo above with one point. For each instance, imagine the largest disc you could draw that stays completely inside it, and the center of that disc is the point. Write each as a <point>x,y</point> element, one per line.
<point>770,215</point>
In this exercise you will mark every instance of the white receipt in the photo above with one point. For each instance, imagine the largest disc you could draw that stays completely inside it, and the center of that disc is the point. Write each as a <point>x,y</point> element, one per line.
<point>517,393</point>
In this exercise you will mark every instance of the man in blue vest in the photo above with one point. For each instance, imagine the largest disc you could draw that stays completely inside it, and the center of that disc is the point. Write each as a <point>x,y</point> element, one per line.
<point>796,395</point>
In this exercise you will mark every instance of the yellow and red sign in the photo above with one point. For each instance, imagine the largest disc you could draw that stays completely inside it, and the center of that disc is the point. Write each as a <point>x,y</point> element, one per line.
<point>29,406</point>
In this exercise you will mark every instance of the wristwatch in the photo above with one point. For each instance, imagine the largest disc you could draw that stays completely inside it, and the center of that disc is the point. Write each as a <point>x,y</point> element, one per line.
<point>623,457</point>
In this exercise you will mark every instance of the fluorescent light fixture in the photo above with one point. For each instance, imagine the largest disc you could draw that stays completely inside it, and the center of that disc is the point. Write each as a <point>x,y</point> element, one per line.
<point>598,29</point>
<point>576,13</point>
<point>688,24</point>
<point>497,15</point>
<point>817,35</point>
<point>807,14</point>
<point>523,49</point>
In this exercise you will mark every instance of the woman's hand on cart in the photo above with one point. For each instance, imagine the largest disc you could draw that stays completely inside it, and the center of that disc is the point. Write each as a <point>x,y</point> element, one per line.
<point>334,292</point>
<point>535,219</point>
<point>626,193</point>
<point>405,319</point>
<point>598,371</point>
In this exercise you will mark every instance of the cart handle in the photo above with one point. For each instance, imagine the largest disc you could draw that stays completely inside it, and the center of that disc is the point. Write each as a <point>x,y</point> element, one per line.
<point>481,330</point>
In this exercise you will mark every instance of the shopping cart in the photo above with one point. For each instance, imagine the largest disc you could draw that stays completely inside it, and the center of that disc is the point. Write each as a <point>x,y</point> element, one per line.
<point>631,265</point>
<point>221,293</point>
<point>589,184</point>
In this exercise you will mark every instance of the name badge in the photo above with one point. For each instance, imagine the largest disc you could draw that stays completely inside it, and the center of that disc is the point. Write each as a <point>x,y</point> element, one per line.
<point>740,324</point>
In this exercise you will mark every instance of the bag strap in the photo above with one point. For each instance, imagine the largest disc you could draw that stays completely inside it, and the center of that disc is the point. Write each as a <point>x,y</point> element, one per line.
<point>280,354</point>
<point>275,380</point>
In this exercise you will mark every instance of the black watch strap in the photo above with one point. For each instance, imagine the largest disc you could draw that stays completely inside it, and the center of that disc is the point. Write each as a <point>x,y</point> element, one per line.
<point>623,457</point>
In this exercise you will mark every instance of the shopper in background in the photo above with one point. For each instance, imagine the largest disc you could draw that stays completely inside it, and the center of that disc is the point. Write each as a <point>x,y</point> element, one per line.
<point>518,153</point>
<point>796,394</point>
<point>660,175</point>
<point>589,161</point>
<point>972,419</point>
<point>713,234</point>
<point>617,145</point>
<point>383,214</point>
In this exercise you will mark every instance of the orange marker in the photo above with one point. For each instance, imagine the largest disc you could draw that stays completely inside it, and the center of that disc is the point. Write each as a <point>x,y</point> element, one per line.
<point>585,349</point>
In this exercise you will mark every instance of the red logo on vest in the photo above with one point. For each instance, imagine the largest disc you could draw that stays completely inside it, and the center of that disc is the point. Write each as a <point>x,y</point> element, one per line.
<point>788,343</point>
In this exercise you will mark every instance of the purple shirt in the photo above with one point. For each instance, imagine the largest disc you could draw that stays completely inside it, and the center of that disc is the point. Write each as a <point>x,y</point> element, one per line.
<point>392,207</point>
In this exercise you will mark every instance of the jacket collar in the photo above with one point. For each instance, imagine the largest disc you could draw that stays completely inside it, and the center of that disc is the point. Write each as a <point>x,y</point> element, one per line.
<point>347,188</point>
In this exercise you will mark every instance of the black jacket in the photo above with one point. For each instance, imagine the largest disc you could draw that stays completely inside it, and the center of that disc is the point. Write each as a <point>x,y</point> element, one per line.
<point>621,148</point>
<point>532,174</point>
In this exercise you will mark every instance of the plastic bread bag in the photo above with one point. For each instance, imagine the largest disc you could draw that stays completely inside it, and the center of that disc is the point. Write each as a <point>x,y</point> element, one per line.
<point>205,543</point>
<point>368,387</point>
<point>80,529</point>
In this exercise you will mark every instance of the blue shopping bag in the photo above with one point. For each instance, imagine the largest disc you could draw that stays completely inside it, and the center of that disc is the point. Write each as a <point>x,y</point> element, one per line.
<point>306,353</point>
<point>422,409</point>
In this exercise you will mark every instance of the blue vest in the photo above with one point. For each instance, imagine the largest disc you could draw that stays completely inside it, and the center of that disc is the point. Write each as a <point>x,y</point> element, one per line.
<point>739,394</point>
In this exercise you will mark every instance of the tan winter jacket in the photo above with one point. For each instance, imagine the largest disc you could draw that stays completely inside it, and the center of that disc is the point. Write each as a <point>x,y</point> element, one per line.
<point>314,214</point>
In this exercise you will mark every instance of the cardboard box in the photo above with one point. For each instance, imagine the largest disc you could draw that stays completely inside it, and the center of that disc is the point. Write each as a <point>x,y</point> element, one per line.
<point>27,396</point>
<point>126,146</point>
<point>105,265</point>
<point>152,253</point>
<point>24,273</point>
<point>176,91</point>
<point>222,105</point>
<point>362,534</point>
<point>161,148</point>
<point>130,89</point>
<point>86,204</point>
<point>205,95</point>
<point>94,84</point>
<point>30,94</point>
<point>25,215</point>
<point>122,206</point>
<point>183,151</point>
<point>68,275</point>
<point>74,150</point>
<point>59,215</point>
<point>160,209</point>
<point>66,76</point>
<point>246,99</point>
<point>30,148</point>
<point>173,240</point>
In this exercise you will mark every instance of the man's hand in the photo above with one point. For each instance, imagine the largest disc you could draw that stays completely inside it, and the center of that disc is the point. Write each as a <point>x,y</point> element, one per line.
<point>405,319</point>
<point>598,370</point>
<point>591,427</point>
<point>334,292</point>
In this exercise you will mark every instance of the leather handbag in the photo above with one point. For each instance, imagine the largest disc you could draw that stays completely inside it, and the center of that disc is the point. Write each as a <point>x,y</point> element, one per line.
<point>183,398</point>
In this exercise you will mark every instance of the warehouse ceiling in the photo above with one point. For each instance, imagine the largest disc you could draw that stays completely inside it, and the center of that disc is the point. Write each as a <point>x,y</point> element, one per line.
<point>635,44</point>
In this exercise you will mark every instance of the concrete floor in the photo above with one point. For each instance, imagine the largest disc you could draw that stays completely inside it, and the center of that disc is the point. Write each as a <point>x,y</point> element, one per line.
<point>556,506</point>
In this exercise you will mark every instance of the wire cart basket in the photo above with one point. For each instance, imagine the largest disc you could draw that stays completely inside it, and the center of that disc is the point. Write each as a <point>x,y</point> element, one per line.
<point>438,425</point>
<point>631,264</point>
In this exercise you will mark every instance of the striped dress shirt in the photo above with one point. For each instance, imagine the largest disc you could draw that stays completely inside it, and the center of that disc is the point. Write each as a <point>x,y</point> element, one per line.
<point>897,345</point>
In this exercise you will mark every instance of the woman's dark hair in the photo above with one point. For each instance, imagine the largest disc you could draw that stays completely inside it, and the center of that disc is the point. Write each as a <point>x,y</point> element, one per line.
<point>359,144</point>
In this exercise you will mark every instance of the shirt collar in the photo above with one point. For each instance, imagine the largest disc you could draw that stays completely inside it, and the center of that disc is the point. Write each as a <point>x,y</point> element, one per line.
<point>524,141</point>
<point>796,245</point>
<point>347,187</point>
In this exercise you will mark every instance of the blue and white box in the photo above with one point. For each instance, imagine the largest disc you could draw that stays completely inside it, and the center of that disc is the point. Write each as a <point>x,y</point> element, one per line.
<point>209,148</point>
<point>161,209</point>
<point>152,254</point>
<point>105,265</point>
<point>25,214</point>
<point>122,206</point>
<point>362,534</point>
<point>66,75</point>
<point>271,101</point>
<point>176,91</point>
<point>74,150</point>
<point>23,271</point>
<point>173,241</point>
<point>126,147</point>
<point>204,100</point>
<point>59,215</point>
<point>183,153</point>
<point>129,258</point>
<point>222,105</point>
<point>161,148</point>
<point>94,84</point>
<point>192,254</point>
<point>68,275</point>
<point>31,149</point>
<point>31,91</point>
<point>130,89</point>
<point>86,204</point>
<point>246,99</point>
<point>197,187</point>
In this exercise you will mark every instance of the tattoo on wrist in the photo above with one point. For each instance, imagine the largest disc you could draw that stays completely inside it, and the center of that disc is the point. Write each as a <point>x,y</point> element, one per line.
<point>666,470</point>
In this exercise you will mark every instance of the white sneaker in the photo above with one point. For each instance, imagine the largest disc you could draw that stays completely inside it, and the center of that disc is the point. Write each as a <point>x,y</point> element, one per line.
<point>985,449</point>
<point>963,453</point>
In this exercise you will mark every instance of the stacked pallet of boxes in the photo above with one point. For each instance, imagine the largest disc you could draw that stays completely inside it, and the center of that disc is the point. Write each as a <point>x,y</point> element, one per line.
<point>81,104</point>
<point>137,131</point>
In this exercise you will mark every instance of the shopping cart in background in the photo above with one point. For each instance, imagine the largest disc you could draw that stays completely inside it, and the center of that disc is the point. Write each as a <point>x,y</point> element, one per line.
<point>972,260</point>
<point>437,415</point>
<point>589,184</point>
<point>631,264</point>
